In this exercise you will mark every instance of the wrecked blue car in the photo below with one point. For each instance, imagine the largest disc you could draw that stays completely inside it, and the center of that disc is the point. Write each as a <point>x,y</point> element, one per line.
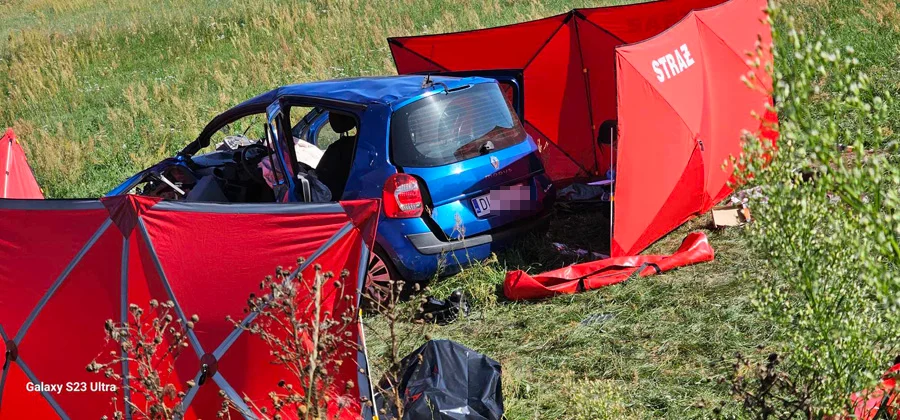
<point>456,172</point>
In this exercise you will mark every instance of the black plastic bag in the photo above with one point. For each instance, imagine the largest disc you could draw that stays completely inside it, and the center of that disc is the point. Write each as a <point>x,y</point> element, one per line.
<point>444,380</point>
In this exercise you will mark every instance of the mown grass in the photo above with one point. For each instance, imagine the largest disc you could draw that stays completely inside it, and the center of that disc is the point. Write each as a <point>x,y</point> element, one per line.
<point>98,89</point>
<point>666,343</point>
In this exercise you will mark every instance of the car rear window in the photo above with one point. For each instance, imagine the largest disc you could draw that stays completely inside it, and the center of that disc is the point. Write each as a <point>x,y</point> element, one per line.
<point>451,127</point>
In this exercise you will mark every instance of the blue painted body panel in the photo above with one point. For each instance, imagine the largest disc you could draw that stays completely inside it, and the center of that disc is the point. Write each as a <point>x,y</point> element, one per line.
<point>452,187</point>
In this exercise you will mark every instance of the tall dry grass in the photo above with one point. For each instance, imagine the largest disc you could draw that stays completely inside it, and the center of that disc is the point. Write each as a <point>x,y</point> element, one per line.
<point>99,89</point>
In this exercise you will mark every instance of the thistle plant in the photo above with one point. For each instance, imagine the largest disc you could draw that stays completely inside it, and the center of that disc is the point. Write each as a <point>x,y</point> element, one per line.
<point>294,319</point>
<point>828,230</point>
<point>149,343</point>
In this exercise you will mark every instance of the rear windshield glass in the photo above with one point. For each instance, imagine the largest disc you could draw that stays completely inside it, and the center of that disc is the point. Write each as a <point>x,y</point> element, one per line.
<point>448,128</point>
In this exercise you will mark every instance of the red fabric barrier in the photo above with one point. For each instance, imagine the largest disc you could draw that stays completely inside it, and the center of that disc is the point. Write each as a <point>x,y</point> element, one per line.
<point>596,274</point>
<point>868,405</point>
<point>682,110</point>
<point>567,65</point>
<point>666,73</point>
<point>67,266</point>
<point>16,179</point>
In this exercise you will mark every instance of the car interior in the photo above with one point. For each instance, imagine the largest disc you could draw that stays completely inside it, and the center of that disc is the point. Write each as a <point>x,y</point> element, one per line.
<point>334,167</point>
<point>239,166</point>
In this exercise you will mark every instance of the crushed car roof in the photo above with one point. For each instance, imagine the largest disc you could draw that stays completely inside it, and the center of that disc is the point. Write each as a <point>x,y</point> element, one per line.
<point>366,90</point>
<point>387,90</point>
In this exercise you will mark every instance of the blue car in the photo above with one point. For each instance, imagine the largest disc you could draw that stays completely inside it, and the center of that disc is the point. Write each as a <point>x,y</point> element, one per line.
<point>457,174</point>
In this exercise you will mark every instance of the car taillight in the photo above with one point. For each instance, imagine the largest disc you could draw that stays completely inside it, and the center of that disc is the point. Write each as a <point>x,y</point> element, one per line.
<point>402,197</point>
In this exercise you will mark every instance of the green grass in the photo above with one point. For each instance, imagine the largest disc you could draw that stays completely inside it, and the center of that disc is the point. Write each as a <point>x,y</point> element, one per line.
<point>661,355</point>
<point>98,89</point>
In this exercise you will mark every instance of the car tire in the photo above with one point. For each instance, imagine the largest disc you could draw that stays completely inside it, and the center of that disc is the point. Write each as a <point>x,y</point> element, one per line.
<point>381,276</point>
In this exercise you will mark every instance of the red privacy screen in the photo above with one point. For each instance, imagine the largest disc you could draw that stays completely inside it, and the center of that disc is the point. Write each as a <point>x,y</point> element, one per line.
<point>567,64</point>
<point>16,178</point>
<point>667,77</point>
<point>682,111</point>
<point>67,266</point>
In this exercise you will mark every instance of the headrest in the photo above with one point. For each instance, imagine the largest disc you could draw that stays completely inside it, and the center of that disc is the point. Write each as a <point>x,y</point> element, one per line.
<point>341,123</point>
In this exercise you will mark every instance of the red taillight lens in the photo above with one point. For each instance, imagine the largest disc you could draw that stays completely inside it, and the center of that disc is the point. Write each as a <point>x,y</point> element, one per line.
<point>402,197</point>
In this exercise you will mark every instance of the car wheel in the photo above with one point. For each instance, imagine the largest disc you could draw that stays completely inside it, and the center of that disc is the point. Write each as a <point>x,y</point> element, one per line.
<point>379,279</point>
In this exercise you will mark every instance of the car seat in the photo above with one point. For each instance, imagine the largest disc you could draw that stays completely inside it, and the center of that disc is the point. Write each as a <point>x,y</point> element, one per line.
<point>334,166</point>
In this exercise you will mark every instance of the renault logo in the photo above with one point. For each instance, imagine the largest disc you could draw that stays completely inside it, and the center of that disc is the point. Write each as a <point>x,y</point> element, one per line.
<point>495,162</point>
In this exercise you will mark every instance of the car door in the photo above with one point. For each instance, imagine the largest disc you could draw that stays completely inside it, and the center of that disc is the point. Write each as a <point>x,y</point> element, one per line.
<point>280,162</point>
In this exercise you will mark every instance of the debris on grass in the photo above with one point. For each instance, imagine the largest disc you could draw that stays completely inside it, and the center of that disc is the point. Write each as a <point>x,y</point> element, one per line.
<point>730,216</point>
<point>568,251</point>
<point>443,311</point>
<point>597,319</point>
<point>583,192</point>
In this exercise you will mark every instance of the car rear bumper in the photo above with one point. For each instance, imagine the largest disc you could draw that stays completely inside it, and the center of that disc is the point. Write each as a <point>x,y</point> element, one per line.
<point>420,250</point>
<point>428,243</point>
<point>438,258</point>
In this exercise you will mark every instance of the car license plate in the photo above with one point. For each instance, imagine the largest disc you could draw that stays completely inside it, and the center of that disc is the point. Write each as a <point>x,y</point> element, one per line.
<point>482,205</point>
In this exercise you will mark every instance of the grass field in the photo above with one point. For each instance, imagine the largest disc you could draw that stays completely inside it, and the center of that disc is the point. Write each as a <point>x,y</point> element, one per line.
<point>98,89</point>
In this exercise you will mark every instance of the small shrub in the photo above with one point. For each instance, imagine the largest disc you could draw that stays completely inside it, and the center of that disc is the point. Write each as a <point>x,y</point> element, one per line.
<point>828,230</point>
<point>596,400</point>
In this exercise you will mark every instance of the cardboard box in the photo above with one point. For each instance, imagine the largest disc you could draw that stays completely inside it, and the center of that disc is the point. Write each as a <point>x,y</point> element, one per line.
<point>732,215</point>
